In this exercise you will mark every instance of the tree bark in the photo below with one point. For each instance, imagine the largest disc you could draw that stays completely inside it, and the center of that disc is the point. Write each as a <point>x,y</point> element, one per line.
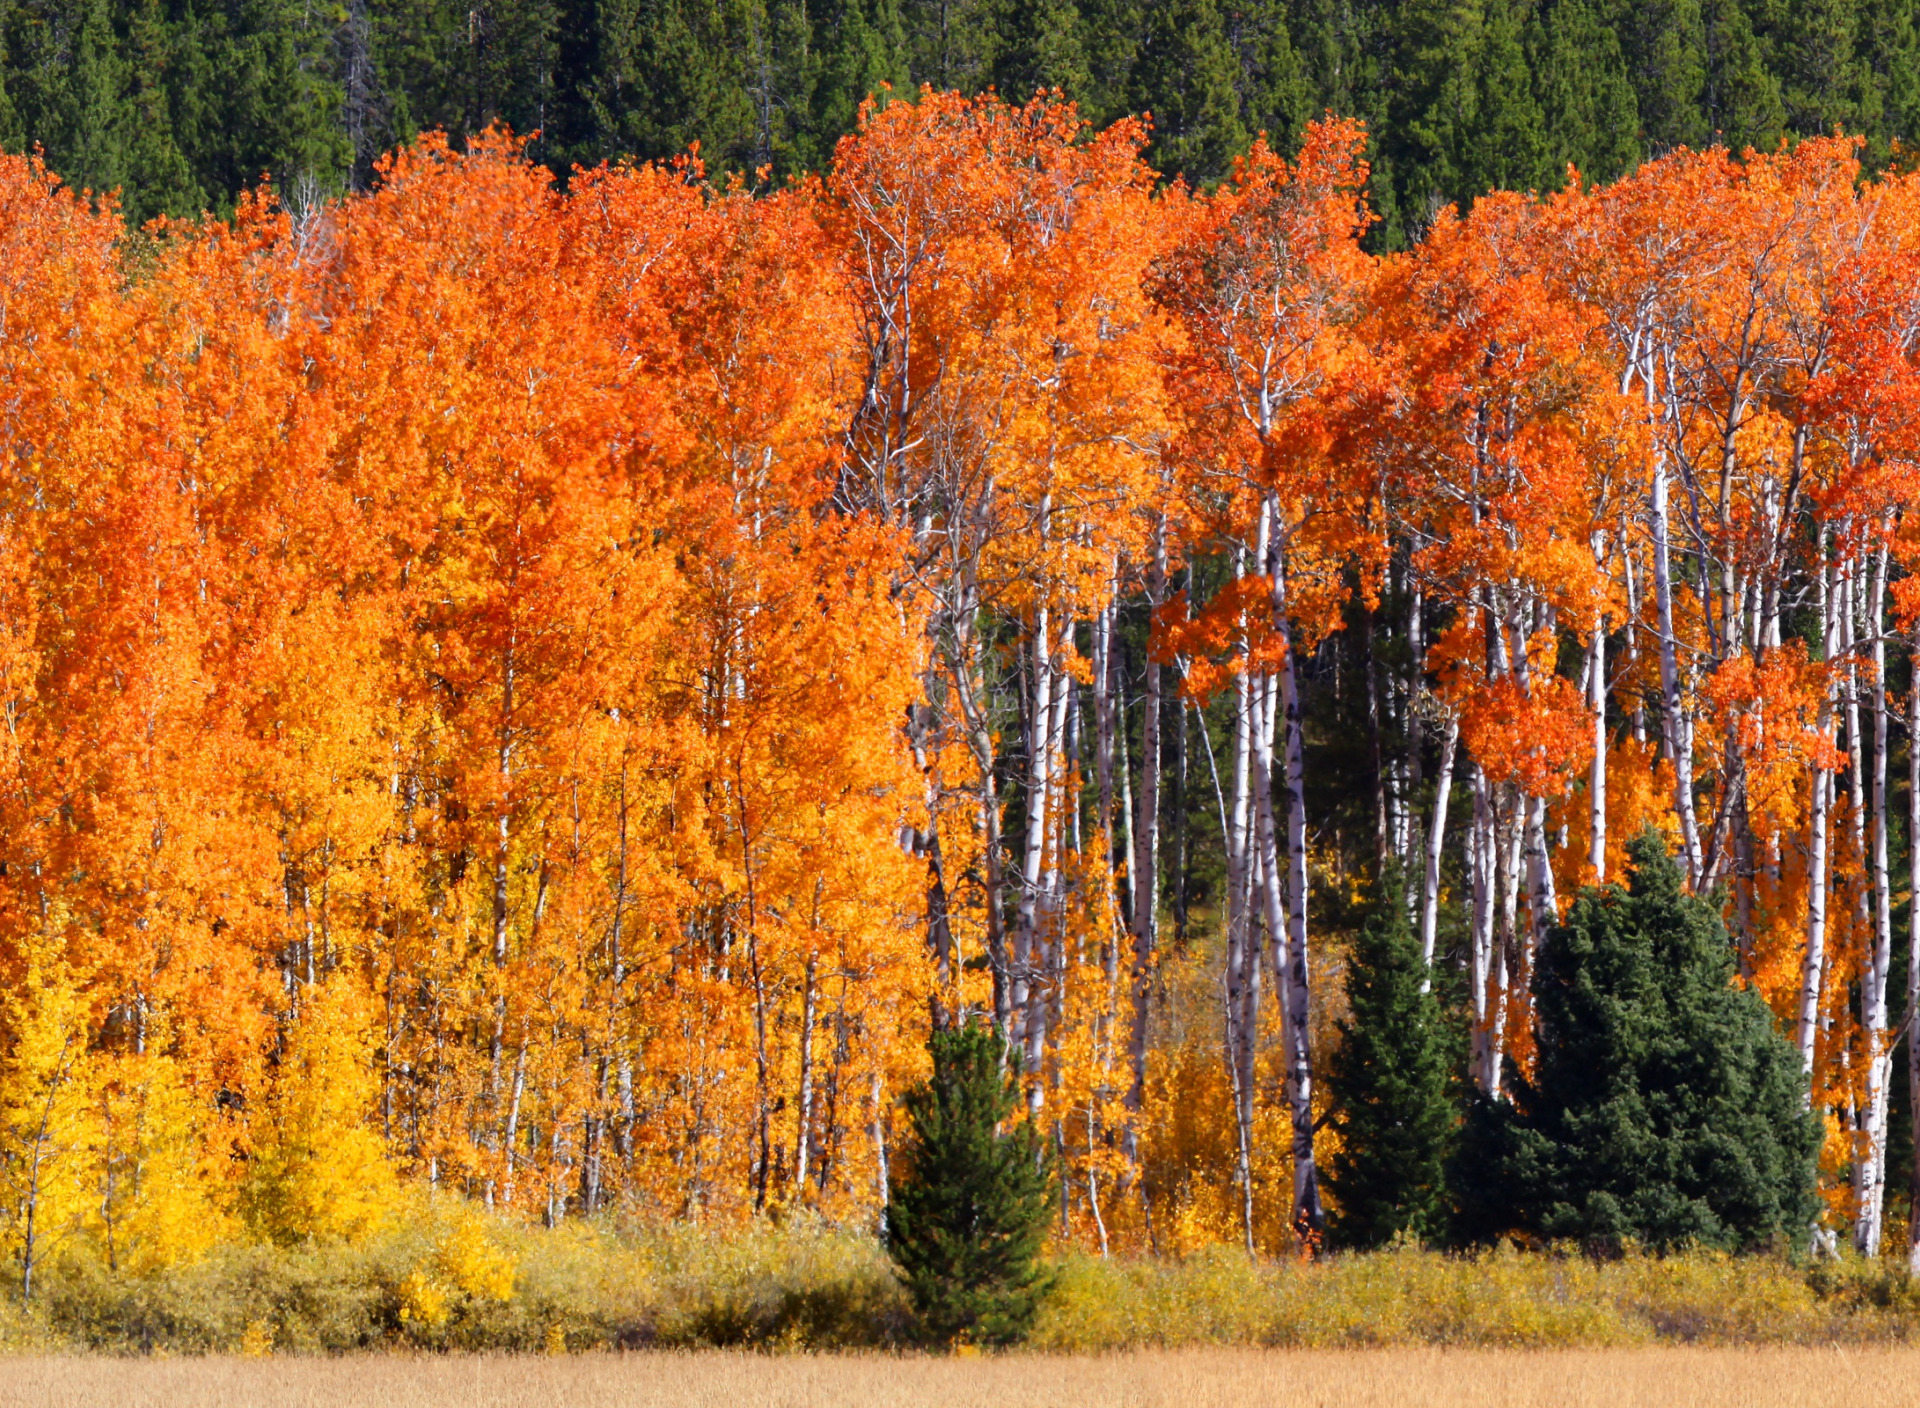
<point>1677,734</point>
<point>1146,847</point>
<point>1871,1162</point>
<point>1913,935</point>
<point>1296,981</point>
<point>1436,841</point>
<point>1597,770</point>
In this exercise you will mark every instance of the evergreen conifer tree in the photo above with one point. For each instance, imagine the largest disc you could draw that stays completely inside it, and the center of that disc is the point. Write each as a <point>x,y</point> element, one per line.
<point>971,1205</point>
<point>1275,97</point>
<point>1113,48</point>
<point>1586,98</point>
<point>1664,1108</point>
<point>1496,133</point>
<point>1742,98</point>
<point>1044,50</point>
<point>1665,45</point>
<point>952,44</point>
<point>1389,1082</point>
<point>859,47</point>
<point>1185,76</point>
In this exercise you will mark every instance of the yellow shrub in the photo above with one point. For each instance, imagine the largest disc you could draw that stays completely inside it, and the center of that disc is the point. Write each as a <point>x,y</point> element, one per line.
<point>423,1301</point>
<point>477,1264</point>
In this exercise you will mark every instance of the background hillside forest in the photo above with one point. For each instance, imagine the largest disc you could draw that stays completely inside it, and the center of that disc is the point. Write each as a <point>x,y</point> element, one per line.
<point>182,104</point>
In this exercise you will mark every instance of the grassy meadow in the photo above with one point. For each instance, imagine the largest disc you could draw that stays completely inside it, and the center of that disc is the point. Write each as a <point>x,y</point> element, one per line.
<point>1666,1377</point>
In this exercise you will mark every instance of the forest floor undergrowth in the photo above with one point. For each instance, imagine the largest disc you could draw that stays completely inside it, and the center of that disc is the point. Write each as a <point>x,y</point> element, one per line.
<point>1668,1376</point>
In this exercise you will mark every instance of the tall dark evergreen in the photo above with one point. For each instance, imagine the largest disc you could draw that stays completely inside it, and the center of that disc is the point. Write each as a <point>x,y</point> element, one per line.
<point>1584,90</point>
<point>1389,1081</point>
<point>1666,51</point>
<point>1043,48</point>
<point>1185,76</point>
<point>1664,1108</point>
<point>973,1197</point>
<point>1271,76</point>
<point>1742,93</point>
<point>184,103</point>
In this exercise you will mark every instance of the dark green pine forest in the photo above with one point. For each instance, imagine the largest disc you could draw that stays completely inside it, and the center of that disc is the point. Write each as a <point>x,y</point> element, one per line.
<point>182,103</point>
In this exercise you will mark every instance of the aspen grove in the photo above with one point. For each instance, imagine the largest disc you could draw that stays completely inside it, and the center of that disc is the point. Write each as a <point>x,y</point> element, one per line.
<point>550,693</point>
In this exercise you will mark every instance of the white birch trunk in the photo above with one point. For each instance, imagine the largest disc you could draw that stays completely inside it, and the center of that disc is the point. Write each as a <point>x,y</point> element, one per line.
<point>1913,967</point>
<point>1033,858</point>
<point>1146,847</point>
<point>1295,978</point>
<point>1597,769</point>
<point>1871,1163</point>
<point>1481,866</point>
<point>1679,738</point>
<point>1813,966</point>
<point>1436,840</point>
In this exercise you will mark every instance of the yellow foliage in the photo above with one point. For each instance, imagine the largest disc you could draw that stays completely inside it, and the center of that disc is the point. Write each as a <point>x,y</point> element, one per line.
<point>319,1172</point>
<point>44,1079</point>
<point>423,1300</point>
<point>157,1206</point>
<point>474,1262</point>
<point>256,1341</point>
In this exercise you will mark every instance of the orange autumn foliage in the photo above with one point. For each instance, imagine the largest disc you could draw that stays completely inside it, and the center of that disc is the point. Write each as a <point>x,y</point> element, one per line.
<point>547,693</point>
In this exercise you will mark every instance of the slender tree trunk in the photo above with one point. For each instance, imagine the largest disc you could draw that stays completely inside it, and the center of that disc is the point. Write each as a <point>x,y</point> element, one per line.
<point>1146,857</point>
<point>1482,866</point>
<point>877,1131</point>
<point>1416,713</point>
<point>1386,811</point>
<point>1678,736</point>
<point>1597,770</point>
<point>1638,716</point>
<point>1033,856</point>
<point>1913,935</point>
<point>1436,842</point>
<point>1813,967</point>
<point>1871,1163</point>
<point>1296,981</point>
<point>803,1136</point>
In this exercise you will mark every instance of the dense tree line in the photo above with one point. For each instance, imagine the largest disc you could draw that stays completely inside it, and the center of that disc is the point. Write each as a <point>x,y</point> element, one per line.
<point>184,104</point>
<point>554,693</point>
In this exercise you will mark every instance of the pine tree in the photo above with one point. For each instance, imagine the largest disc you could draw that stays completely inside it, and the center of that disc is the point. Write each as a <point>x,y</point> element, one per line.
<point>952,44</point>
<point>1665,1107</point>
<point>1821,81</point>
<point>1275,96</point>
<point>1890,49</point>
<point>1185,77</point>
<point>68,82</point>
<point>1585,95</point>
<point>1389,1085</point>
<point>1045,50</point>
<point>1113,29</point>
<point>1741,100</point>
<point>1665,45</point>
<point>1496,132</point>
<point>971,1205</point>
<point>859,48</point>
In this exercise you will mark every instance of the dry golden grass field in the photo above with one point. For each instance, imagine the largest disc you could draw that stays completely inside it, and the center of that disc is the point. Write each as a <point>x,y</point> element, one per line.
<point>1381,1378</point>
